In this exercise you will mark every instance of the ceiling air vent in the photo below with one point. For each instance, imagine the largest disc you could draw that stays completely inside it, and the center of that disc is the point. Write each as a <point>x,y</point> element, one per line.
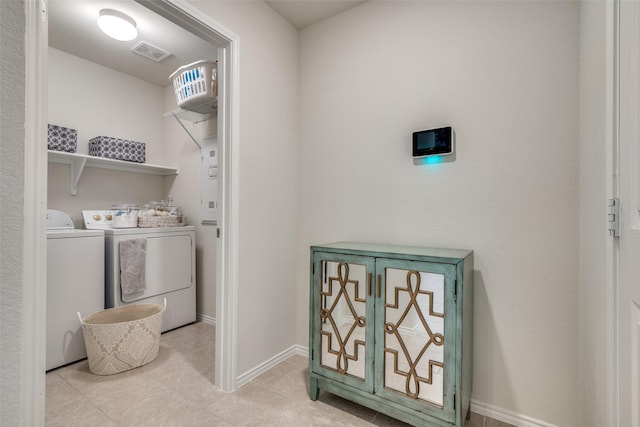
<point>150,51</point>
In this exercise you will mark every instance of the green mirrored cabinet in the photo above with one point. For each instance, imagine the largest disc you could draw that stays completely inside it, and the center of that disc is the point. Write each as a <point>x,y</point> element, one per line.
<point>391,329</point>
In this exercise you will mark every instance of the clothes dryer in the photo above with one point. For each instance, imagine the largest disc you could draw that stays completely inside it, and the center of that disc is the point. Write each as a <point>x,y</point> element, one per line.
<point>168,261</point>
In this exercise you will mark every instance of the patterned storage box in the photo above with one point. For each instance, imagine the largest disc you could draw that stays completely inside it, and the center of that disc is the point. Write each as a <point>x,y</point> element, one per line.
<point>115,148</point>
<point>62,139</point>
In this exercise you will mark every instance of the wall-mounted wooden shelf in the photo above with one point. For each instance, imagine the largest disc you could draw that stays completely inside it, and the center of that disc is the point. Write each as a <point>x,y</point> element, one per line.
<point>78,162</point>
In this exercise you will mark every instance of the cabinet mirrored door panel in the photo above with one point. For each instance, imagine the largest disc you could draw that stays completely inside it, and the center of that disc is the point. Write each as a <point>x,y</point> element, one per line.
<point>417,315</point>
<point>344,315</point>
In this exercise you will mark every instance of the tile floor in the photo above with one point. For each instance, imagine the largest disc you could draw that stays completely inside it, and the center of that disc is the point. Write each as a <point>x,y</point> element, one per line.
<point>177,390</point>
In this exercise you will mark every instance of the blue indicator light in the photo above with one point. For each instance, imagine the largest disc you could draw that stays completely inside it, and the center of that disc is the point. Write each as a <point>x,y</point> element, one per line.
<point>432,160</point>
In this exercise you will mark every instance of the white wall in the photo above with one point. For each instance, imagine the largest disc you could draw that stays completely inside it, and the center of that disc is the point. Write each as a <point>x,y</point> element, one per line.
<point>12,149</point>
<point>504,75</point>
<point>99,101</point>
<point>185,155</point>
<point>268,180</point>
<point>506,82</point>
<point>595,243</point>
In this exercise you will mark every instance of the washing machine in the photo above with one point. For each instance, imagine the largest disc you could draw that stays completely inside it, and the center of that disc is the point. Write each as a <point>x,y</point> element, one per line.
<point>169,260</point>
<point>75,283</point>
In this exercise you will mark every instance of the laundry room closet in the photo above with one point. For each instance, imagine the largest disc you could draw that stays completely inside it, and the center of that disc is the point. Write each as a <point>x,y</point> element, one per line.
<point>100,87</point>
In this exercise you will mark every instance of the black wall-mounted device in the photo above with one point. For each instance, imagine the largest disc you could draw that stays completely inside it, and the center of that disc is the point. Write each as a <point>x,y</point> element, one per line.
<point>433,142</point>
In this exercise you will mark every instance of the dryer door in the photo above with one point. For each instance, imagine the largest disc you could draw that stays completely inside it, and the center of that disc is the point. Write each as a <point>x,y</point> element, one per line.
<point>167,267</point>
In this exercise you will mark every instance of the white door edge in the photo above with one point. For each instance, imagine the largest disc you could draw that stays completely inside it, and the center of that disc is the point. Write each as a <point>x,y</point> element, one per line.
<point>612,130</point>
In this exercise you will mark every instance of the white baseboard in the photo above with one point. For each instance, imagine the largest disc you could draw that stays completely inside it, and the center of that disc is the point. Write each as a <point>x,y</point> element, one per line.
<point>264,367</point>
<point>206,319</point>
<point>500,414</point>
<point>301,350</point>
<point>481,408</point>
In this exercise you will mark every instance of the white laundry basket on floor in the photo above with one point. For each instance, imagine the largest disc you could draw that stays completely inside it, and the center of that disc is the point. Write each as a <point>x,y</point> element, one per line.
<point>123,338</point>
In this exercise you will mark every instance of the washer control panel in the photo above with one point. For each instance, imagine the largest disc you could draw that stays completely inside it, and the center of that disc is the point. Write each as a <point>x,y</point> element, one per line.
<point>100,219</point>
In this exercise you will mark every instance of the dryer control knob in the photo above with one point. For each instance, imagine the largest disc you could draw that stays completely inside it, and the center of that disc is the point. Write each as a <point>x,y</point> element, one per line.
<point>97,217</point>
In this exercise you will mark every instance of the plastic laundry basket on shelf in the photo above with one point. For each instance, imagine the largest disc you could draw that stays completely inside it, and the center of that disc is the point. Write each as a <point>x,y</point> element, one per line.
<point>123,338</point>
<point>196,83</point>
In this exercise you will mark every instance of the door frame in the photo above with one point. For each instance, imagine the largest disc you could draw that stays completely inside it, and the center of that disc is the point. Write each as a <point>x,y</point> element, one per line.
<point>612,174</point>
<point>196,21</point>
<point>34,255</point>
<point>35,198</point>
<point>624,57</point>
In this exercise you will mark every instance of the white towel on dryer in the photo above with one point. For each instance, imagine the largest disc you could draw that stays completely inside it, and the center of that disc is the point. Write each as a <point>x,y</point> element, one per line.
<point>132,266</point>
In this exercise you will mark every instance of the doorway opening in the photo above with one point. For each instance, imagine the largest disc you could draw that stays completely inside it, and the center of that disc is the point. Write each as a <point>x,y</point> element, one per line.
<point>204,27</point>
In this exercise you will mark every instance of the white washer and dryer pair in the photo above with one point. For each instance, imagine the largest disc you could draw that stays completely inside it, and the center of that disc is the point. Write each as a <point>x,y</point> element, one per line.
<point>170,267</point>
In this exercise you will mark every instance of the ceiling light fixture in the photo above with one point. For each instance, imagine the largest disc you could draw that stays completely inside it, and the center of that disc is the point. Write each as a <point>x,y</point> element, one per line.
<point>117,25</point>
